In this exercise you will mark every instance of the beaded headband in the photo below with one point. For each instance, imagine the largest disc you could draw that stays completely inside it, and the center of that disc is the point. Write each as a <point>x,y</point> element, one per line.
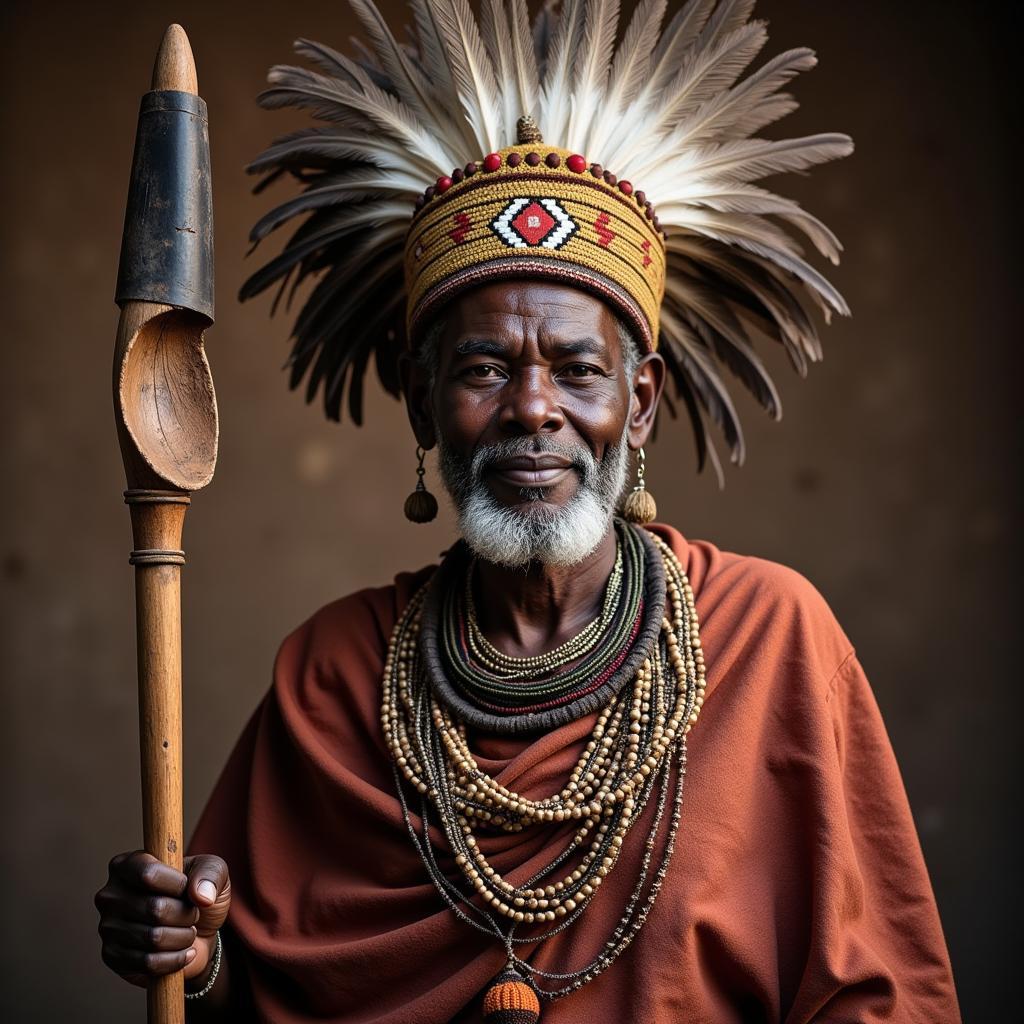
<point>675,235</point>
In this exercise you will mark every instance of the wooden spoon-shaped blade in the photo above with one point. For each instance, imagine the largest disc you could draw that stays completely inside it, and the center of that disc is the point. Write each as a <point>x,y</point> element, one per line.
<point>166,400</point>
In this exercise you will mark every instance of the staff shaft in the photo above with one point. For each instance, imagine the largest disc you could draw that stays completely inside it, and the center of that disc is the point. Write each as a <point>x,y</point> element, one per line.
<point>157,521</point>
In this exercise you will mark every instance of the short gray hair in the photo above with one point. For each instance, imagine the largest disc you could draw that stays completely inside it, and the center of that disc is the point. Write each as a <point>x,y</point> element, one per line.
<point>427,352</point>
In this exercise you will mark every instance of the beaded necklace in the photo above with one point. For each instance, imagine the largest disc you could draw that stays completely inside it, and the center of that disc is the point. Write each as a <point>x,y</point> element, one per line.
<point>482,698</point>
<point>497,663</point>
<point>639,735</point>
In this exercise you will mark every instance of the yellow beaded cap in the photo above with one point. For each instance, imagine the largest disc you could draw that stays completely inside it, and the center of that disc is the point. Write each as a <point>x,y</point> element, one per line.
<point>537,211</point>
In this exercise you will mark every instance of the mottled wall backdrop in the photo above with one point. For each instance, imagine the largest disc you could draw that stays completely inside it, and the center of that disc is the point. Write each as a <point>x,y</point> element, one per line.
<point>888,482</point>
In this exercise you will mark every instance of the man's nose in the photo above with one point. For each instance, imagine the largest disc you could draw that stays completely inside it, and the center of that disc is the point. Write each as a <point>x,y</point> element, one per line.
<point>531,405</point>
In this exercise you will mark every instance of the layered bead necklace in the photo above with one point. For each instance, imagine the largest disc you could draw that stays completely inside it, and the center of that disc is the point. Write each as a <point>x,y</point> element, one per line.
<point>503,666</point>
<point>639,734</point>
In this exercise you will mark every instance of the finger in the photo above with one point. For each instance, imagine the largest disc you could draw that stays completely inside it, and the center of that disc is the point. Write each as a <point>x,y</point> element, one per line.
<point>155,938</point>
<point>207,878</point>
<point>118,904</point>
<point>126,961</point>
<point>140,869</point>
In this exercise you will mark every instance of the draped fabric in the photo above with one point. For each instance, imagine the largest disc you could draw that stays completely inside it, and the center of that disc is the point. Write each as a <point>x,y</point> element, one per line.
<point>797,891</point>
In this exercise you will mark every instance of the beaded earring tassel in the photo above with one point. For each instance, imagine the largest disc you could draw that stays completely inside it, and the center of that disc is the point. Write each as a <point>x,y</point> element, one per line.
<point>421,505</point>
<point>640,506</point>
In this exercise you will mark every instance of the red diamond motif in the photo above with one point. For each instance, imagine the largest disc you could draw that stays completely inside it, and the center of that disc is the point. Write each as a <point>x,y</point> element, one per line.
<point>533,223</point>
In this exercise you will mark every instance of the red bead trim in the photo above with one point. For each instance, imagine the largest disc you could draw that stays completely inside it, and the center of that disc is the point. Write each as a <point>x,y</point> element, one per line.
<point>575,163</point>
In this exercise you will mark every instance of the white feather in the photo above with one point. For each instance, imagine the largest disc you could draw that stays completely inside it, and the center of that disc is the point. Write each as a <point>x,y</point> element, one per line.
<point>557,91</point>
<point>369,103</point>
<point>494,30</point>
<point>758,236</point>
<point>527,78</point>
<point>740,111</point>
<point>590,69</point>
<point>742,198</point>
<point>471,69</point>
<point>409,81</point>
<point>629,69</point>
<point>433,56</point>
<point>701,76</point>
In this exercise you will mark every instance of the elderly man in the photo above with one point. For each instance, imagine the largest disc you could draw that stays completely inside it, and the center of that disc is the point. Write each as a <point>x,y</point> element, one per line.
<point>462,798</point>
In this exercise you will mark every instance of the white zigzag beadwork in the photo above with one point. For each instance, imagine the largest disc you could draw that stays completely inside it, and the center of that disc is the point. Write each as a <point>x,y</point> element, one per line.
<point>529,222</point>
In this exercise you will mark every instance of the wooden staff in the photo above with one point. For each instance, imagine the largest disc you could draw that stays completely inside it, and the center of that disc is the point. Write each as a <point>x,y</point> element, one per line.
<point>166,415</point>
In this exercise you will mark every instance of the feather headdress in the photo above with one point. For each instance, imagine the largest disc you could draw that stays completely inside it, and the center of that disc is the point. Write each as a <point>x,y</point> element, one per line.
<point>429,173</point>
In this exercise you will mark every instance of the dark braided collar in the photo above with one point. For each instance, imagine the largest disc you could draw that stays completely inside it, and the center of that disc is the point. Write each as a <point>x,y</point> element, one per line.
<point>450,578</point>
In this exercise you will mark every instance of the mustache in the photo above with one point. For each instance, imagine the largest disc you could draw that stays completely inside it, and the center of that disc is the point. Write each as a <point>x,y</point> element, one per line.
<point>579,456</point>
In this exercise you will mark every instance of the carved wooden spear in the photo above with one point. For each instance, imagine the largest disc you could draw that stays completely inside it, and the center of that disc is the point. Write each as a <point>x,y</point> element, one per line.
<point>166,414</point>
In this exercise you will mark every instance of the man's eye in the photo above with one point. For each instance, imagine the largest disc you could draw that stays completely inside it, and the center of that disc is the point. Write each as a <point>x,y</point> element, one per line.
<point>580,370</point>
<point>483,371</point>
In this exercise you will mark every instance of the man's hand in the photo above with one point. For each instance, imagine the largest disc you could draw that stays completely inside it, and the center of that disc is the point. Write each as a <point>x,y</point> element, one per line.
<point>154,920</point>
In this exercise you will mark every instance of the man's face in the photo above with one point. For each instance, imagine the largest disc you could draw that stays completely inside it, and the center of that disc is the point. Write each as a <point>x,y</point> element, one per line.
<point>534,413</point>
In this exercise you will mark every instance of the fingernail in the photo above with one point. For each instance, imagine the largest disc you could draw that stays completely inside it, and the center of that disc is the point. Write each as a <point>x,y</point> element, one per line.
<point>207,890</point>
<point>190,955</point>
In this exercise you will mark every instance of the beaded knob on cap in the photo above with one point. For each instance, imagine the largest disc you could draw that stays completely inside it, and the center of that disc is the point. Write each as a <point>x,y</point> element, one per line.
<point>527,131</point>
<point>511,1000</point>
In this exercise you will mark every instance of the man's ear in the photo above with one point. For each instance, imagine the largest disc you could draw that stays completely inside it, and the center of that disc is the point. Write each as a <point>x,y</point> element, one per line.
<point>418,399</point>
<point>648,383</point>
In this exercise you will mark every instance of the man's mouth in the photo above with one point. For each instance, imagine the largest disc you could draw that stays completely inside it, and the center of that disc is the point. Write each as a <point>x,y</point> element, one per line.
<point>543,470</point>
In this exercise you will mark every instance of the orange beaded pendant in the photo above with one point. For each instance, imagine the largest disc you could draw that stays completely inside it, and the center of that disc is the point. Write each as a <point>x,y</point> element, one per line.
<point>511,1000</point>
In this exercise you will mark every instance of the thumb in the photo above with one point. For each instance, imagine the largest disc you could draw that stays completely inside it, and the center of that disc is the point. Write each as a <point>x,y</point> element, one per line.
<point>208,881</point>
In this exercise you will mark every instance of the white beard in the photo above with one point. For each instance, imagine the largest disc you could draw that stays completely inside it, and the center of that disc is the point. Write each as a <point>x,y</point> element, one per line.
<point>536,531</point>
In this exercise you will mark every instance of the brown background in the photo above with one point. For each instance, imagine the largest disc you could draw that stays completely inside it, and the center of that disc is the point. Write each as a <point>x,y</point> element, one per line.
<point>888,483</point>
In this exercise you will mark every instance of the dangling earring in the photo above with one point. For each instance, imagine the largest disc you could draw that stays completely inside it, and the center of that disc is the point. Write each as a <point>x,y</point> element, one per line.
<point>640,506</point>
<point>421,505</point>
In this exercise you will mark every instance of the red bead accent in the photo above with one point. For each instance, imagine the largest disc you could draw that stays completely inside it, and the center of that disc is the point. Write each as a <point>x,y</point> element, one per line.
<point>533,159</point>
<point>576,163</point>
<point>492,162</point>
<point>625,187</point>
<point>514,159</point>
<point>443,184</point>
<point>553,160</point>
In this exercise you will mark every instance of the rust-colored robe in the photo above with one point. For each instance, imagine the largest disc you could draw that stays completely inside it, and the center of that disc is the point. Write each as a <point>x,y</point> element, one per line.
<point>797,891</point>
